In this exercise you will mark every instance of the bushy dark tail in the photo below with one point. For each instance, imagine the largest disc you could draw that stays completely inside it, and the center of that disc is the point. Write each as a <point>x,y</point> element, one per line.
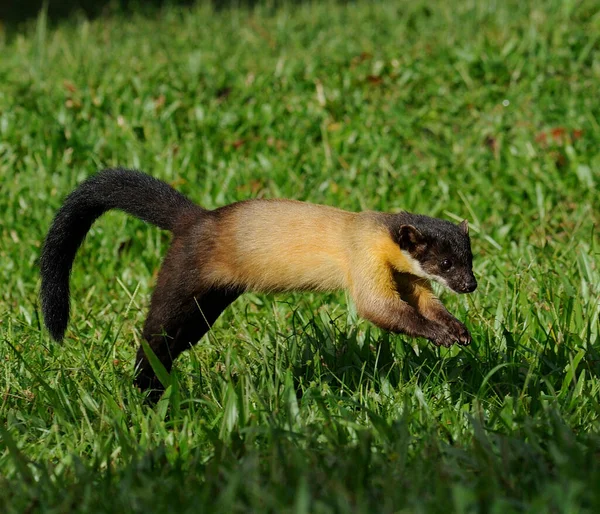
<point>131,191</point>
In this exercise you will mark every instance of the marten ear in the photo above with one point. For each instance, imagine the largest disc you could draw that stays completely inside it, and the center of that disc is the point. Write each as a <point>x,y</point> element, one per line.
<point>409,238</point>
<point>464,226</point>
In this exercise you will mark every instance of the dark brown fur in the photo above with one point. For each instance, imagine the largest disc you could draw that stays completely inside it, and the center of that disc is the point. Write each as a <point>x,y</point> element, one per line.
<point>184,306</point>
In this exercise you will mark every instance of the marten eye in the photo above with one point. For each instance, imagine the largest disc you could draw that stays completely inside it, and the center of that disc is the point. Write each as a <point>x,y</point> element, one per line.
<point>446,264</point>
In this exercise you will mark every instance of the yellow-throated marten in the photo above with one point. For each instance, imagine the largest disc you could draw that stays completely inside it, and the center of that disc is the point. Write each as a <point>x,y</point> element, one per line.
<point>383,260</point>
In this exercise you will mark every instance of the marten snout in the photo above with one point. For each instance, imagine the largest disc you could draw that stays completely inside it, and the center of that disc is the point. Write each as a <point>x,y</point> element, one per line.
<point>469,286</point>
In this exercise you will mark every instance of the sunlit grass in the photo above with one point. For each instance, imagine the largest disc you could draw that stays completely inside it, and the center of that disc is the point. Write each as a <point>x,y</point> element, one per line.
<point>485,111</point>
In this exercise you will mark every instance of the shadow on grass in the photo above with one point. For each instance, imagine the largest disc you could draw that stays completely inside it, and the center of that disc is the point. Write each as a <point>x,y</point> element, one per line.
<point>509,368</point>
<point>18,12</point>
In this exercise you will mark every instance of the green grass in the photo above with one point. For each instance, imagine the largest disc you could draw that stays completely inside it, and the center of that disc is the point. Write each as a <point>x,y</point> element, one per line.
<point>488,111</point>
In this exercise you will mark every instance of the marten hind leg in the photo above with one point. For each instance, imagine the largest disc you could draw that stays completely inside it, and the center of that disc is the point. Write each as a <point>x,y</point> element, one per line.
<point>184,306</point>
<point>171,328</point>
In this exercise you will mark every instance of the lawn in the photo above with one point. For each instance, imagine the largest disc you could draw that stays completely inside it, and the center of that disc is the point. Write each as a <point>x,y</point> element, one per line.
<point>481,110</point>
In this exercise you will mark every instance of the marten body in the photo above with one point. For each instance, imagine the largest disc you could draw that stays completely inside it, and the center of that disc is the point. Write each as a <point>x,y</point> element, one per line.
<point>278,245</point>
<point>383,260</point>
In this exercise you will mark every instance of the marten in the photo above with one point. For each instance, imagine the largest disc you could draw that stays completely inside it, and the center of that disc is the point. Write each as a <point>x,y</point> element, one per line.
<point>385,261</point>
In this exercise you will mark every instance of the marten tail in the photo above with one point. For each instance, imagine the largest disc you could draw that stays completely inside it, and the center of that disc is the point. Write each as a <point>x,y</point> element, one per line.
<point>131,191</point>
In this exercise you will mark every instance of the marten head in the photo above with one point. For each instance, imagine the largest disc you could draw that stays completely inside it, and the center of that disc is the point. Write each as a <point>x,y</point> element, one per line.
<point>440,250</point>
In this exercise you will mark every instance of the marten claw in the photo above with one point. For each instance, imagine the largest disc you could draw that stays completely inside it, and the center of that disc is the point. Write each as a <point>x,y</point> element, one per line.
<point>460,333</point>
<point>455,332</point>
<point>466,340</point>
<point>445,339</point>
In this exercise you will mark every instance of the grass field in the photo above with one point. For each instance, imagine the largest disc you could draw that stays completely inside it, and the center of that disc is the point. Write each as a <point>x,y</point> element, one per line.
<point>482,110</point>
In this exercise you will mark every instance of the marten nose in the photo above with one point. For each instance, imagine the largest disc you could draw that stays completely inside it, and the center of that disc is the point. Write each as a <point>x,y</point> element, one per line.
<point>470,286</point>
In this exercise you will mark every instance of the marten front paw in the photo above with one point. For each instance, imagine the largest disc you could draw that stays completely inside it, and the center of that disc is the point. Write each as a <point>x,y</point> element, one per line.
<point>452,331</point>
<point>442,337</point>
<point>459,332</point>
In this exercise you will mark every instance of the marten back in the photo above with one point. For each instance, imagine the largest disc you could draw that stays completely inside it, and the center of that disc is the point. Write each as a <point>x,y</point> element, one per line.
<point>275,245</point>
